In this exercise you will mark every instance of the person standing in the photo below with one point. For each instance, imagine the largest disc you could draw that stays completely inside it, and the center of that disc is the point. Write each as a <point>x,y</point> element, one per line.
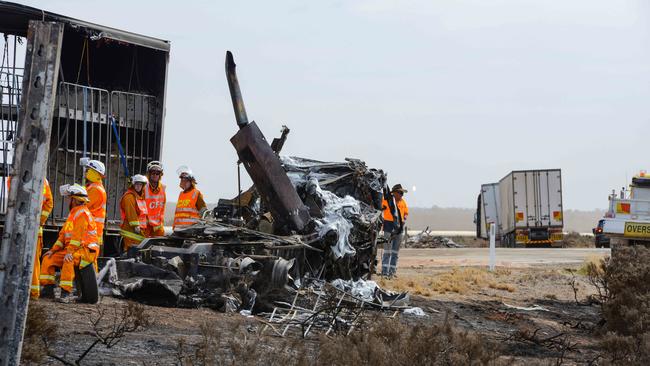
<point>76,246</point>
<point>156,199</point>
<point>190,206</point>
<point>133,210</point>
<point>393,228</point>
<point>95,172</point>
<point>46,209</point>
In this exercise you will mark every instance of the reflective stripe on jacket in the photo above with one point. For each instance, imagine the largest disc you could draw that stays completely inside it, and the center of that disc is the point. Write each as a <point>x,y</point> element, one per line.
<point>133,210</point>
<point>186,211</point>
<point>155,205</point>
<point>401,206</point>
<point>97,204</point>
<point>48,200</point>
<point>79,230</point>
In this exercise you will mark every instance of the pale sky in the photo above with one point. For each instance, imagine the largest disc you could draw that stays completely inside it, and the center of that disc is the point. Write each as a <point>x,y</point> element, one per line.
<point>443,95</point>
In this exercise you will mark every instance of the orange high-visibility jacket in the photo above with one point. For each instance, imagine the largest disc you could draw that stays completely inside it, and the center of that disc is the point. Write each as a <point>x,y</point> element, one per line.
<point>401,206</point>
<point>78,231</point>
<point>189,205</point>
<point>48,201</point>
<point>133,210</point>
<point>156,201</point>
<point>97,204</point>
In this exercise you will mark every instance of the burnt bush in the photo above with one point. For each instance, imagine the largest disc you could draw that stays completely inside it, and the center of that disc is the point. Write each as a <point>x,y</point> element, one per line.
<point>378,343</point>
<point>391,342</point>
<point>623,290</point>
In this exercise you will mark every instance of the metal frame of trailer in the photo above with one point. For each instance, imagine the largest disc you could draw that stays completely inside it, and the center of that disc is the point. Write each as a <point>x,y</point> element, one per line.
<point>112,86</point>
<point>540,232</point>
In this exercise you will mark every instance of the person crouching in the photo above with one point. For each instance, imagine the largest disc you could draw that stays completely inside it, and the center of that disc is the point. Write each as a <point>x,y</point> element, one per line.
<point>76,247</point>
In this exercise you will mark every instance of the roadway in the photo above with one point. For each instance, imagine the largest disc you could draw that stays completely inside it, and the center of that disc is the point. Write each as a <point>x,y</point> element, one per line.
<point>505,257</point>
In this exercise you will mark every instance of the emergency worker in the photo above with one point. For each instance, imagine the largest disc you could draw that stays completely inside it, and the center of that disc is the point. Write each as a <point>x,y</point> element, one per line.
<point>76,246</point>
<point>46,209</point>
<point>156,199</point>
<point>133,209</point>
<point>95,172</point>
<point>190,206</point>
<point>393,229</point>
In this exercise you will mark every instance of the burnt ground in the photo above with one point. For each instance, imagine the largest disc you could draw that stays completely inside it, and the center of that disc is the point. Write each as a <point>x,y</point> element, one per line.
<point>477,301</point>
<point>474,299</point>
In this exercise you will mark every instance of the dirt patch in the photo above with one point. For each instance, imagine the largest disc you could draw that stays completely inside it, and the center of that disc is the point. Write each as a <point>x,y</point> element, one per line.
<point>530,313</point>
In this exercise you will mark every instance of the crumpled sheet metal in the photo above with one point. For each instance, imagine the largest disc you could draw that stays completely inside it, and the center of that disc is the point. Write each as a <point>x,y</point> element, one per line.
<point>371,293</point>
<point>222,265</point>
<point>336,213</point>
<point>339,210</point>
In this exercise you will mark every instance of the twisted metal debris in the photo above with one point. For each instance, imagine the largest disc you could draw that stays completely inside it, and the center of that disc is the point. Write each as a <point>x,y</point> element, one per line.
<point>299,246</point>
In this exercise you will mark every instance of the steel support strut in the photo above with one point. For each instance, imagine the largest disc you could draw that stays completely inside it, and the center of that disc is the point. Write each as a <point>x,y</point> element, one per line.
<point>25,197</point>
<point>263,165</point>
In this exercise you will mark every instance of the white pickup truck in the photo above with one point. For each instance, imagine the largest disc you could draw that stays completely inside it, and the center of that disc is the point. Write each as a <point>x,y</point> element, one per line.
<point>627,222</point>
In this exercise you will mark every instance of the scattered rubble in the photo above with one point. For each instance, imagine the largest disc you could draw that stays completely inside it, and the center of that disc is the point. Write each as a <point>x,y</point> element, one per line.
<point>426,239</point>
<point>307,230</point>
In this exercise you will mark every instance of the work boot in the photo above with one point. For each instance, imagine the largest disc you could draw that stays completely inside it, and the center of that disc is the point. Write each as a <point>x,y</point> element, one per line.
<point>47,291</point>
<point>66,297</point>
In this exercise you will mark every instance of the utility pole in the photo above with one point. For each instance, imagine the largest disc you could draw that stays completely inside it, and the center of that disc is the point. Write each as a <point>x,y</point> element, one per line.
<point>26,194</point>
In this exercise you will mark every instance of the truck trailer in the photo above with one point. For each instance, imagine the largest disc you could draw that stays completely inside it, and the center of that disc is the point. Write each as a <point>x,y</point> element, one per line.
<point>109,106</point>
<point>530,211</point>
<point>487,211</point>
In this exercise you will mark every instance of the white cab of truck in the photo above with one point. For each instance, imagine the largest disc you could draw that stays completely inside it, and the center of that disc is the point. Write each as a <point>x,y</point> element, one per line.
<point>628,218</point>
<point>487,212</point>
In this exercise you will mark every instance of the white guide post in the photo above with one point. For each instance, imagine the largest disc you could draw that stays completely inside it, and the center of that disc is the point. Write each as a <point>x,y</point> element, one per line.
<point>493,249</point>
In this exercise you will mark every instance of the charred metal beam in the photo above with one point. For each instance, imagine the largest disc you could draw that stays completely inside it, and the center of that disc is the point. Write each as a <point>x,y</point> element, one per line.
<point>263,164</point>
<point>235,93</point>
<point>278,142</point>
<point>271,181</point>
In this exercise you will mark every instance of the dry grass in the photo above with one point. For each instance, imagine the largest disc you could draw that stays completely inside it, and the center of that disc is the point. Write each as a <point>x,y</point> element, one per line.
<point>593,261</point>
<point>379,343</point>
<point>457,280</point>
<point>575,240</point>
<point>502,286</point>
<point>622,283</point>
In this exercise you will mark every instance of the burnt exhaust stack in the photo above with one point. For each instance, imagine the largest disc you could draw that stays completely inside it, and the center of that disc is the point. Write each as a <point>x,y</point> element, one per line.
<point>264,166</point>
<point>235,93</point>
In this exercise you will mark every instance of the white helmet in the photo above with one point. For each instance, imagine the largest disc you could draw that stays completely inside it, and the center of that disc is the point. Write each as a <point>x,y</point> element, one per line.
<point>185,171</point>
<point>155,165</point>
<point>74,191</point>
<point>95,165</point>
<point>138,178</point>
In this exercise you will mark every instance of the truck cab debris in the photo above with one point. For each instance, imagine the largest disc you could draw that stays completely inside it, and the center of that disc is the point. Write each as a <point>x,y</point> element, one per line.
<point>303,224</point>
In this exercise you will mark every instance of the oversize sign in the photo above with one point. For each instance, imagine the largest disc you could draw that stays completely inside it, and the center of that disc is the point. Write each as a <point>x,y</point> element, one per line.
<point>637,229</point>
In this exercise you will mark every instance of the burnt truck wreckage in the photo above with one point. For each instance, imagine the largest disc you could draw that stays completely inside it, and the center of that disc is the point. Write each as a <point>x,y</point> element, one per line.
<point>305,227</point>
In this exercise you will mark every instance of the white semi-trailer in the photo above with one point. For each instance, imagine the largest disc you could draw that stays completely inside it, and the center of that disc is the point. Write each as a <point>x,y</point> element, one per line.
<point>627,222</point>
<point>487,211</point>
<point>530,211</point>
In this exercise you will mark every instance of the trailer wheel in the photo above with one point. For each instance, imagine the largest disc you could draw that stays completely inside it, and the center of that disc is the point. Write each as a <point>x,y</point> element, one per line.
<point>87,284</point>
